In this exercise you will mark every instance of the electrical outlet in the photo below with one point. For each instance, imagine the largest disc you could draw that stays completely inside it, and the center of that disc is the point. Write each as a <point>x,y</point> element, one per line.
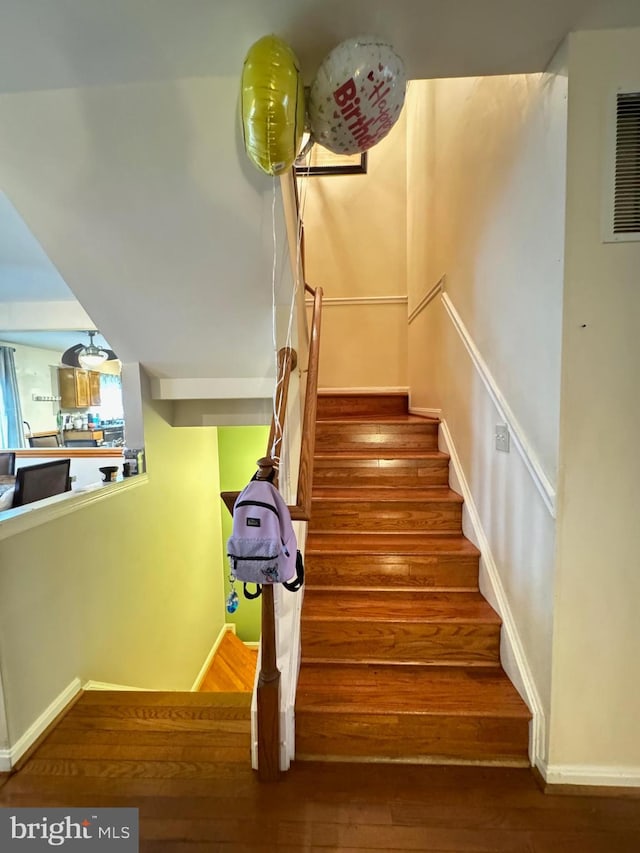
<point>502,437</point>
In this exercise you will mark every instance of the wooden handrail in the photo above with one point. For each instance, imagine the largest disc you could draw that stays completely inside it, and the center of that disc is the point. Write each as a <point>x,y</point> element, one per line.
<point>287,361</point>
<point>302,509</point>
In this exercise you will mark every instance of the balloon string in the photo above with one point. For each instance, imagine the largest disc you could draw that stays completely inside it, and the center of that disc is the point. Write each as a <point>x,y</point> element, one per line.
<point>276,419</point>
<point>277,454</point>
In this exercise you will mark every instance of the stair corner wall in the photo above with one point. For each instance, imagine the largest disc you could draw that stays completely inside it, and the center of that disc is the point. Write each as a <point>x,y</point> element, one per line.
<point>509,508</point>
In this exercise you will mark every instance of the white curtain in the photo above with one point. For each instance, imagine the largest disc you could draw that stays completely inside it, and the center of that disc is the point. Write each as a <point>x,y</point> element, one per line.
<point>11,432</point>
<point>110,397</point>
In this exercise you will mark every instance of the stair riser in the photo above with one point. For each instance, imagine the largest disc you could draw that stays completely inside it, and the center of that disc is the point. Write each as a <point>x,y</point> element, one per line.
<point>345,437</point>
<point>391,571</point>
<point>343,640</point>
<point>362,405</point>
<point>411,736</point>
<point>441,516</point>
<point>385,472</point>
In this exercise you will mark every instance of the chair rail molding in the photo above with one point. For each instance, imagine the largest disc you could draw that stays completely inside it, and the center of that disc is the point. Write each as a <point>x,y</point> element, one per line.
<point>361,300</point>
<point>512,654</point>
<point>437,288</point>
<point>520,441</point>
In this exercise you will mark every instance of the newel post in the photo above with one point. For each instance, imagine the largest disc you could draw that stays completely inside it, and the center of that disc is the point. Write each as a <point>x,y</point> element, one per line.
<point>268,698</point>
<point>268,695</point>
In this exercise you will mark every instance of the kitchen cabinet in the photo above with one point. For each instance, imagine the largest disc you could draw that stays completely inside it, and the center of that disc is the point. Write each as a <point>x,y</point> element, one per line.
<point>79,389</point>
<point>94,387</point>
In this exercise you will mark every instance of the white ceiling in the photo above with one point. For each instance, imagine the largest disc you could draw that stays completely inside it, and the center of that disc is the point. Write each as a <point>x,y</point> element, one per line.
<point>120,148</point>
<point>52,44</point>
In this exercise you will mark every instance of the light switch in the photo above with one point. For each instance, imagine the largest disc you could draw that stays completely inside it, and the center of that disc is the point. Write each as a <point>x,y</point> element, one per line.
<point>502,437</point>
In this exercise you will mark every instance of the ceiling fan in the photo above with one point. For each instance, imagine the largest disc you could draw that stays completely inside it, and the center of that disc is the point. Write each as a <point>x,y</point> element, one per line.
<point>88,355</point>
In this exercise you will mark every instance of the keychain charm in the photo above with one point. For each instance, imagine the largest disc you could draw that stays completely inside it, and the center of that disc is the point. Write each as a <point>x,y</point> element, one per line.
<point>232,599</point>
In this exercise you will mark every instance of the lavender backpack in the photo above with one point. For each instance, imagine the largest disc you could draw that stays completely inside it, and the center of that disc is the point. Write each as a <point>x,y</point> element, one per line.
<point>262,547</point>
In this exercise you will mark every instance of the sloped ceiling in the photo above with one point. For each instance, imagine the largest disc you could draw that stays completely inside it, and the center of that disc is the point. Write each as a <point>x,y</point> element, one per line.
<point>120,148</point>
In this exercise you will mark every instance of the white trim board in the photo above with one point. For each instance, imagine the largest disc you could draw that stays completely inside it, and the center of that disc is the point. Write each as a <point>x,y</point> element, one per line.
<point>520,441</point>
<point>361,300</point>
<point>4,731</point>
<point>425,413</point>
<point>591,774</point>
<point>9,757</point>
<point>212,389</point>
<point>513,657</point>
<point>227,628</point>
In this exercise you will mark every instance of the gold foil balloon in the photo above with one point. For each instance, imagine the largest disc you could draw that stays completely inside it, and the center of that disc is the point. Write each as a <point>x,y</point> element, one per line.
<point>357,95</point>
<point>272,105</point>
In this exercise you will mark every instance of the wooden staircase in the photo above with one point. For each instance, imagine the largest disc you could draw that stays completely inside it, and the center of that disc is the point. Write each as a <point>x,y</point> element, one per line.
<point>400,651</point>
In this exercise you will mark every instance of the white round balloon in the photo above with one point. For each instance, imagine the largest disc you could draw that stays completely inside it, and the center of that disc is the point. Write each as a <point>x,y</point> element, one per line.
<point>357,95</point>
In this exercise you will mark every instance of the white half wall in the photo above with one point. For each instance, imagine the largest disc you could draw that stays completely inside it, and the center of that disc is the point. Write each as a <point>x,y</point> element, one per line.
<point>126,590</point>
<point>510,520</point>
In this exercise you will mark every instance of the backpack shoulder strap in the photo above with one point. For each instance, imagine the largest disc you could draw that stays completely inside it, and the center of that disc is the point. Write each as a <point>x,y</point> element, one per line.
<point>296,584</point>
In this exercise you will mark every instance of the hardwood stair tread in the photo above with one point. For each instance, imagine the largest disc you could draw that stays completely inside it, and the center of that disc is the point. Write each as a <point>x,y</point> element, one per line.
<point>390,494</point>
<point>166,698</point>
<point>378,454</point>
<point>400,651</point>
<point>408,689</point>
<point>392,606</point>
<point>380,419</point>
<point>401,543</point>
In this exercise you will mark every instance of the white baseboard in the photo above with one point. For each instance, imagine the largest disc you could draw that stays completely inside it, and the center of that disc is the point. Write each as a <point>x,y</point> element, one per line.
<point>594,774</point>
<point>254,646</point>
<point>227,628</point>
<point>9,757</point>
<point>513,658</point>
<point>425,413</point>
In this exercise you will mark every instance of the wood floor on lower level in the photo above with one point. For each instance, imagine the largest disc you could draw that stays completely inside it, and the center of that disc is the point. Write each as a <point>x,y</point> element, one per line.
<point>233,668</point>
<point>183,761</point>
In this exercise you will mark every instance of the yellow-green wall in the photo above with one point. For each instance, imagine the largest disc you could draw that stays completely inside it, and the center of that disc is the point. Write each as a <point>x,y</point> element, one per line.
<point>128,590</point>
<point>239,448</point>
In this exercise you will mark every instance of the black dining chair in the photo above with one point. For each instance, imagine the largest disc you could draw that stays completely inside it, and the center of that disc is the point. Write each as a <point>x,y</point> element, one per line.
<point>7,463</point>
<point>36,482</point>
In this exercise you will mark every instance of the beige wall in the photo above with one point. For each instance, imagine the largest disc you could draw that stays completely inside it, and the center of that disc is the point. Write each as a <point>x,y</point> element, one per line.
<point>128,591</point>
<point>355,247</point>
<point>596,697</point>
<point>492,217</point>
<point>485,171</point>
